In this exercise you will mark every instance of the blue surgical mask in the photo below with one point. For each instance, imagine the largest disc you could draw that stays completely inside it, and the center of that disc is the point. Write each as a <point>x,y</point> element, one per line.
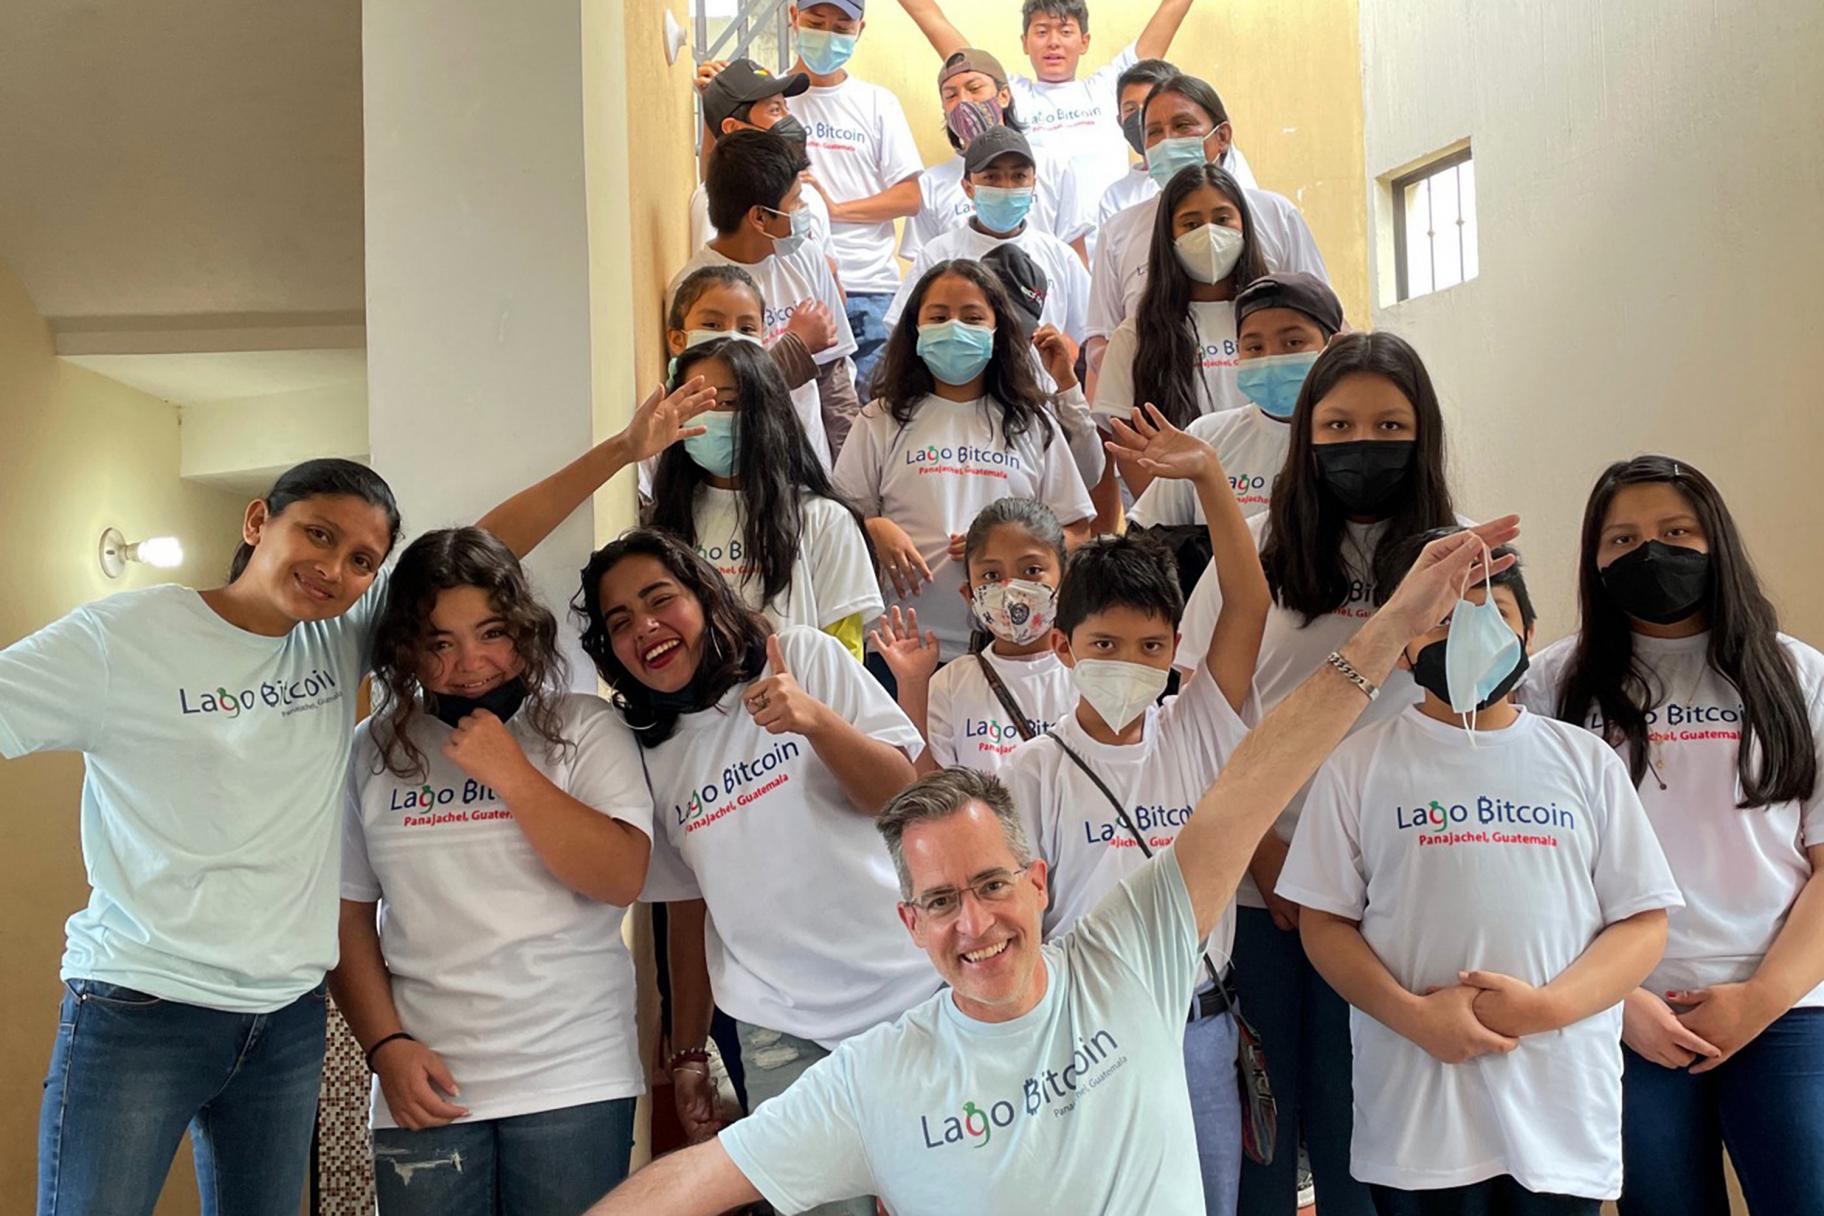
<point>697,337</point>
<point>1272,383</point>
<point>714,449</point>
<point>1166,158</point>
<point>1483,657</point>
<point>956,353</point>
<point>786,246</point>
<point>1002,208</point>
<point>825,52</point>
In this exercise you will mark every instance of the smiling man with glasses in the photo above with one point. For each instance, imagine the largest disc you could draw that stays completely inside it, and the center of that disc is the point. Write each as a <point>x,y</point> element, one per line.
<point>1050,1077</point>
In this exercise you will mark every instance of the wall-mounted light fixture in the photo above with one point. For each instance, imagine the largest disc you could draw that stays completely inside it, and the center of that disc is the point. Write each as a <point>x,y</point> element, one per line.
<point>161,551</point>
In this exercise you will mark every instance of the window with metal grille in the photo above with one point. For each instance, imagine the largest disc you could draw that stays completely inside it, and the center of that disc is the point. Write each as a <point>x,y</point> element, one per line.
<point>1434,225</point>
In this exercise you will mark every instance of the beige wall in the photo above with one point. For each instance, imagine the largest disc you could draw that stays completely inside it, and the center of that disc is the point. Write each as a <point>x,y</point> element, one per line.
<point>78,453</point>
<point>1650,257</point>
<point>1289,73</point>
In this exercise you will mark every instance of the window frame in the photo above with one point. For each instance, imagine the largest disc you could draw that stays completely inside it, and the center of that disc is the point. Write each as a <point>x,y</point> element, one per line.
<point>1399,185</point>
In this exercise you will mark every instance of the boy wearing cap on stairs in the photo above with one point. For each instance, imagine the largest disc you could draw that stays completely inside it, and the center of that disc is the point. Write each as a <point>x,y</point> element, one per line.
<point>863,162</point>
<point>740,95</point>
<point>1001,176</point>
<point>1055,354</point>
<point>972,88</point>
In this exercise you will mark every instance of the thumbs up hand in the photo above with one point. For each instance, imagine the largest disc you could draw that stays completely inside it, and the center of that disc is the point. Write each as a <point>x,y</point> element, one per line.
<point>777,702</point>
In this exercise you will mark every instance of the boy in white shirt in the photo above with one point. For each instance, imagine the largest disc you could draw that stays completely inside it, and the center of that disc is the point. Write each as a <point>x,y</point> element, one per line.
<point>743,96</point>
<point>1120,767</point>
<point>1076,118</point>
<point>1484,898</point>
<point>863,162</point>
<point>755,203</point>
<point>1002,185</point>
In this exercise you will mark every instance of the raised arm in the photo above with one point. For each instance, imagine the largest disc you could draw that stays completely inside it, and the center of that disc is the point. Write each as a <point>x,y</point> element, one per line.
<point>1162,450</point>
<point>699,1181</point>
<point>529,516</point>
<point>1282,753</point>
<point>944,37</point>
<point>1156,38</point>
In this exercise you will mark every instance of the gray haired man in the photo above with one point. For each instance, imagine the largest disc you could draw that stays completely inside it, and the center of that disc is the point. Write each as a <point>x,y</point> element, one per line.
<point>1048,1076</point>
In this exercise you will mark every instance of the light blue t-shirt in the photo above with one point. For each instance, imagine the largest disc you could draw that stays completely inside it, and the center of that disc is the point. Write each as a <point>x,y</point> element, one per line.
<point>211,798</point>
<point>1079,1105</point>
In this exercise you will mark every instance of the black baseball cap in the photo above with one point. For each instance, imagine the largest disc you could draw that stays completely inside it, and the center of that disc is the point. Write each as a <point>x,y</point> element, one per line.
<point>1024,281</point>
<point>742,83</point>
<point>995,141</point>
<point>1292,289</point>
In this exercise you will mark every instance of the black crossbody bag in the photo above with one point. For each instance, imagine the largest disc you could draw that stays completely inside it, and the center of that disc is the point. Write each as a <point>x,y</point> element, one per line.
<point>1259,1111</point>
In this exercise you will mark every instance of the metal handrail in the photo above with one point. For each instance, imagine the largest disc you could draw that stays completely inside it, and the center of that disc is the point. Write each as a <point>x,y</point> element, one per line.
<point>749,21</point>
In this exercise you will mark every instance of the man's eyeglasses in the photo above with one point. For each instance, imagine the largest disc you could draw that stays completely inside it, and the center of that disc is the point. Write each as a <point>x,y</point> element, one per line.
<point>994,887</point>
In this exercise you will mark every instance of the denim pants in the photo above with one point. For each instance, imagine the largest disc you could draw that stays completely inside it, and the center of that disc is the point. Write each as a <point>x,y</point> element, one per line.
<point>1765,1105</point>
<point>1209,1064</point>
<point>129,1072</point>
<point>868,320</point>
<point>1304,1029</point>
<point>1500,1196</point>
<point>773,1060</point>
<point>550,1163</point>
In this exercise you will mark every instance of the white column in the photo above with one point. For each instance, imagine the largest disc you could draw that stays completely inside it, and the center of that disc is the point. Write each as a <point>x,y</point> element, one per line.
<point>479,271</point>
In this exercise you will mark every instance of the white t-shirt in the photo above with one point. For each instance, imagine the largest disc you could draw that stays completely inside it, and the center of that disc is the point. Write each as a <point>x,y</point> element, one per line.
<point>859,146</point>
<point>212,788</point>
<point>758,827</point>
<point>1066,282</point>
<point>965,721</point>
<point>933,476</point>
<point>1509,854</point>
<point>1083,1096</point>
<point>1118,271</point>
<point>832,577</point>
<point>1252,446</point>
<point>785,282</point>
<point>1078,119</point>
<point>1290,650</point>
<point>1069,821</point>
<point>1217,355</point>
<point>1081,213</point>
<point>945,205</point>
<point>523,986</point>
<point>702,231</point>
<point>1740,870</point>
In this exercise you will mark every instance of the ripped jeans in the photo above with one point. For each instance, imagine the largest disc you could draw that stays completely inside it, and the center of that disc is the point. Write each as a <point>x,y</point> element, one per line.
<point>773,1060</point>
<point>552,1163</point>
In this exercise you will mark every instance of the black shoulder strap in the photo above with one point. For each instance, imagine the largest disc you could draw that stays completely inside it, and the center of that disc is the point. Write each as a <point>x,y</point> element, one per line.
<point>1004,695</point>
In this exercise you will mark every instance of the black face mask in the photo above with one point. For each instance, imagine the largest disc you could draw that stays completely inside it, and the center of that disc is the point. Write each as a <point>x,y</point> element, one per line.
<point>792,132</point>
<point>1133,127</point>
<point>1659,583</point>
<point>1428,673</point>
<point>694,696</point>
<point>503,702</point>
<point>1365,475</point>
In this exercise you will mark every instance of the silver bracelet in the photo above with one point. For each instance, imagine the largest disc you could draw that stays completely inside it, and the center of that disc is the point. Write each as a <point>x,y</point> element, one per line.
<point>1369,688</point>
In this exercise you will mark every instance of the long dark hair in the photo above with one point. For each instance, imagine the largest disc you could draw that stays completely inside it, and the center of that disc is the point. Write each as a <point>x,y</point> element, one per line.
<point>1776,760</point>
<point>1166,354</point>
<point>904,380</point>
<point>331,478</point>
<point>734,638</point>
<point>437,562</point>
<point>773,459</point>
<point>1302,552</point>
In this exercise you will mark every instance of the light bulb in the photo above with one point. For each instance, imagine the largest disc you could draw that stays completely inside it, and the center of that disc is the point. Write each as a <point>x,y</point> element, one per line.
<point>161,551</point>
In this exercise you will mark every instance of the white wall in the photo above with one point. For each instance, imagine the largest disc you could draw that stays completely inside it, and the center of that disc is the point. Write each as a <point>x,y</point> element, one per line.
<point>1650,187</point>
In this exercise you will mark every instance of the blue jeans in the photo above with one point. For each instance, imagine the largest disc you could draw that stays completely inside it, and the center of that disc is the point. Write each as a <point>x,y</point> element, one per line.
<point>550,1163</point>
<point>129,1072</point>
<point>1209,1063</point>
<point>1500,1196</point>
<point>773,1060</point>
<point>1304,1029</point>
<point>1766,1106</point>
<point>868,319</point>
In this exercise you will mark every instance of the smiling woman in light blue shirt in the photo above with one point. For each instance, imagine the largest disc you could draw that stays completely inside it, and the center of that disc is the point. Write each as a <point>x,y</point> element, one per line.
<point>215,729</point>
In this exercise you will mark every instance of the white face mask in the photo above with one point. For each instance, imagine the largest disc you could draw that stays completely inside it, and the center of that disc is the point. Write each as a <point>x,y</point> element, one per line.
<point>1209,253</point>
<point>1016,611</point>
<point>1117,690</point>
